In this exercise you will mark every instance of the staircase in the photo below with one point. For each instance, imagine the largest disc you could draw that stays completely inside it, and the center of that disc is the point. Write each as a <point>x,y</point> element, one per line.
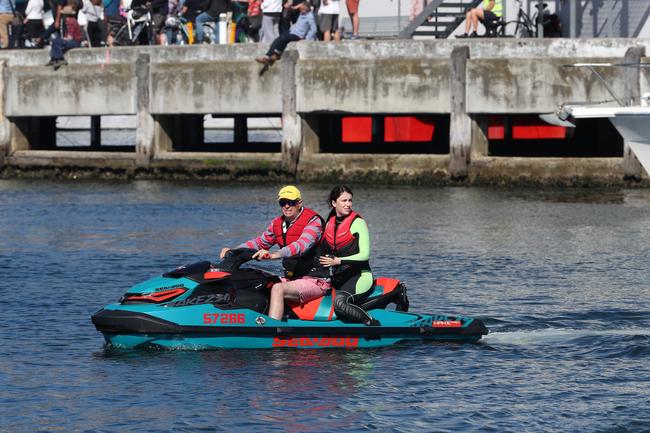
<point>439,19</point>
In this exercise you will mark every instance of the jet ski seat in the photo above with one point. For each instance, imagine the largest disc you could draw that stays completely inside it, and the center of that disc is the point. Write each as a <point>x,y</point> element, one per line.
<point>385,291</point>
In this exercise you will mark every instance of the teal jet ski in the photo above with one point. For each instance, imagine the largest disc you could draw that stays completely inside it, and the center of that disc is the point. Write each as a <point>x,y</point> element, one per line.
<point>224,306</point>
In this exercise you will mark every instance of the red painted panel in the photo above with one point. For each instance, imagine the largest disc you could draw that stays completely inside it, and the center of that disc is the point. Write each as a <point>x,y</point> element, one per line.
<point>537,132</point>
<point>496,132</point>
<point>356,129</point>
<point>524,128</point>
<point>408,128</point>
<point>496,129</point>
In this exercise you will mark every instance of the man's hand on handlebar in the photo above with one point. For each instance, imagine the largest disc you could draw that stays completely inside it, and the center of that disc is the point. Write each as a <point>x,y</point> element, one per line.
<point>223,253</point>
<point>262,255</point>
<point>266,255</point>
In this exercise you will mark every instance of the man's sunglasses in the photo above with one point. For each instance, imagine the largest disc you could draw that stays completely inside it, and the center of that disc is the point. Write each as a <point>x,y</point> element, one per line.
<point>285,202</point>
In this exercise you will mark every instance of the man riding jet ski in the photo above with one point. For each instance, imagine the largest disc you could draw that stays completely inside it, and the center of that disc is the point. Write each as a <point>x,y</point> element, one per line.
<point>297,231</point>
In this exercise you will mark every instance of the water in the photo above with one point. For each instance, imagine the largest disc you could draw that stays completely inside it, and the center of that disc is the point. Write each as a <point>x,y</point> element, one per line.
<point>559,276</point>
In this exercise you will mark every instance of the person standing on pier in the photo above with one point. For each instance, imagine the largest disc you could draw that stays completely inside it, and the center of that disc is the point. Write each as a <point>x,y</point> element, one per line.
<point>7,8</point>
<point>353,11</point>
<point>297,232</point>
<point>304,28</point>
<point>328,20</point>
<point>271,15</point>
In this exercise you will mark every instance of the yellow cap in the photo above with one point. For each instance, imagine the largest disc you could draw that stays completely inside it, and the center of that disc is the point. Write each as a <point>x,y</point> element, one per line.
<point>289,192</point>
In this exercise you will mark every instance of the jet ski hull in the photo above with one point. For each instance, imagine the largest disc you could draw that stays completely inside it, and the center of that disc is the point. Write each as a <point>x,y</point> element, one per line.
<point>203,327</point>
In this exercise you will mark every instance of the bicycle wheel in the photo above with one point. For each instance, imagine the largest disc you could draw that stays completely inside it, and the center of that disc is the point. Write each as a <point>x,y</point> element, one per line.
<point>515,29</point>
<point>121,38</point>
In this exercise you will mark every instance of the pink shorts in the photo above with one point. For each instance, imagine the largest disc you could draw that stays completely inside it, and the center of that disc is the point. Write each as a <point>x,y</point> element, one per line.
<point>309,288</point>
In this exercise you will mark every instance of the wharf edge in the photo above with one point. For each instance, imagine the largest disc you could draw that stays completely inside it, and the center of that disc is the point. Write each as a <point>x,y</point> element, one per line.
<point>168,88</point>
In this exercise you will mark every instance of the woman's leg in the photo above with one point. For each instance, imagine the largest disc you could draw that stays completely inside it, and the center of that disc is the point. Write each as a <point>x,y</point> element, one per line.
<point>350,294</point>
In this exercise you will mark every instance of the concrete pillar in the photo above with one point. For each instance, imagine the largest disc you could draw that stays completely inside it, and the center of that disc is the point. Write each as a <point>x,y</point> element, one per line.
<point>95,132</point>
<point>163,138</point>
<point>291,122</point>
<point>310,138</point>
<point>18,139</point>
<point>632,76</point>
<point>5,125</point>
<point>460,124</point>
<point>145,126</point>
<point>480,145</point>
<point>240,132</point>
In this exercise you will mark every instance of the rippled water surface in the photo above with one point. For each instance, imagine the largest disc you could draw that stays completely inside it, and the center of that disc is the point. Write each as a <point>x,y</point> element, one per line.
<point>559,276</point>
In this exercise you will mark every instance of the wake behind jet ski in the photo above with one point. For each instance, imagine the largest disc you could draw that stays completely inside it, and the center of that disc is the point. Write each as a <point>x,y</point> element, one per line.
<point>206,306</point>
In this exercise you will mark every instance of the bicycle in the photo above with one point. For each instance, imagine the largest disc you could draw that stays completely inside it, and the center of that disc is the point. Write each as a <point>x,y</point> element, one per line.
<point>138,29</point>
<point>523,27</point>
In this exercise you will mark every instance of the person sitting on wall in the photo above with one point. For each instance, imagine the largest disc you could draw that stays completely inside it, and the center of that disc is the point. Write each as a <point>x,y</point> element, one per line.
<point>491,12</point>
<point>211,11</point>
<point>70,36</point>
<point>304,28</point>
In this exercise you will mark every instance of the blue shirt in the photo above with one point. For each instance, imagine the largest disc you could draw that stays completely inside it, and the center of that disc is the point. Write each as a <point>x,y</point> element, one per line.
<point>7,6</point>
<point>111,8</point>
<point>305,26</point>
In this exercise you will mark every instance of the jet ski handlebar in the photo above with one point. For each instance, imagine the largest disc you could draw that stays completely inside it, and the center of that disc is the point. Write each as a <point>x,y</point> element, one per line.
<point>234,258</point>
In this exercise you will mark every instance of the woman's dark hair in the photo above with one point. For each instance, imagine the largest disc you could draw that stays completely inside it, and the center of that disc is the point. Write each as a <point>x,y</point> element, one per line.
<point>335,194</point>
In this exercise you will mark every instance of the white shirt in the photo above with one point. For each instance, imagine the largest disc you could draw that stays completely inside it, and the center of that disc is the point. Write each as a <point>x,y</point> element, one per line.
<point>34,10</point>
<point>271,6</point>
<point>331,8</point>
<point>93,13</point>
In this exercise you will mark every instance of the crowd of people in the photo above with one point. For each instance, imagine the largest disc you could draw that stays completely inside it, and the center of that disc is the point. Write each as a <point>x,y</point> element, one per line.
<point>36,23</point>
<point>318,254</point>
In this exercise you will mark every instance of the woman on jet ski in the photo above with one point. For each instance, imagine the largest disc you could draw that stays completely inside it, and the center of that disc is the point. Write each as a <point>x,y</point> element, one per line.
<point>345,250</point>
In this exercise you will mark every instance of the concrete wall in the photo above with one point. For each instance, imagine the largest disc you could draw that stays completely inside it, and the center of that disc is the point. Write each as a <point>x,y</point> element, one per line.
<point>391,77</point>
<point>77,89</point>
<point>466,79</point>
<point>535,85</point>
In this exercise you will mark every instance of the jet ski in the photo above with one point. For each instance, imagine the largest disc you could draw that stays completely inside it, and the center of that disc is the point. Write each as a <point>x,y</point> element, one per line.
<point>224,306</point>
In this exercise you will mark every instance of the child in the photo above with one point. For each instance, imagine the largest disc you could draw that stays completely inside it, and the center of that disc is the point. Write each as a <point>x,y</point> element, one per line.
<point>304,28</point>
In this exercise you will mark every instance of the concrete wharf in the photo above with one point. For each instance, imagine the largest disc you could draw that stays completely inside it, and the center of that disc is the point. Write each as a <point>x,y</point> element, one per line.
<point>171,89</point>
